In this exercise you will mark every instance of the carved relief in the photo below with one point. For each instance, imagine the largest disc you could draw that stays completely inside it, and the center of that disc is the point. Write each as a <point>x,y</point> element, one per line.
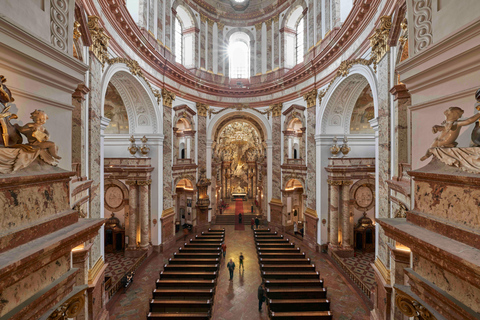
<point>70,308</point>
<point>100,39</point>
<point>276,109</point>
<point>168,97</point>
<point>422,16</point>
<point>310,98</point>
<point>58,24</point>
<point>379,40</point>
<point>202,109</point>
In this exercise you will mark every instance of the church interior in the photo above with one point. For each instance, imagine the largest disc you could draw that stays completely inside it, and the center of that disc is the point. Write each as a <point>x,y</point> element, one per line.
<point>330,149</point>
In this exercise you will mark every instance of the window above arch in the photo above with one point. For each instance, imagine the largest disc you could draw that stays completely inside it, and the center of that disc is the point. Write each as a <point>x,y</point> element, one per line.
<point>184,38</point>
<point>239,55</point>
<point>294,37</point>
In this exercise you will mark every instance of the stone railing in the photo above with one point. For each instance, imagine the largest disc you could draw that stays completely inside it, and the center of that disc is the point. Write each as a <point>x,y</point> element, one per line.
<point>408,304</point>
<point>118,284</point>
<point>365,288</point>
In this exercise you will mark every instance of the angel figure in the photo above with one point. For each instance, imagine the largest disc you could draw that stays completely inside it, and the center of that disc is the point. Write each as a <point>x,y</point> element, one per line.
<point>450,129</point>
<point>37,135</point>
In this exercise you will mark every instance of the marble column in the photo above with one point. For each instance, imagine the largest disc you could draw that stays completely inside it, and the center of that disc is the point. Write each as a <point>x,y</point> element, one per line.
<point>258,46</point>
<point>202,139</point>
<point>311,159</point>
<point>276,159</point>
<point>334,213</point>
<point>160,21</point>
<point>143,13</point>
<point>222,49</point>
<point>310,24</point>
<point>151,15</point>
<point>327,16</point>
<point>203,32</point>
<point>132,215</point>
<point>143,213</point>
<point>209,53</point>
<point>252,58</point>
<point>168,23</point>
<point>79,122</point>
<point>167,100</point>
<point>281,58</point>
<point>269,52</point>
<point>346,232</point>
<point>401,103</point>
<point>318,21</point>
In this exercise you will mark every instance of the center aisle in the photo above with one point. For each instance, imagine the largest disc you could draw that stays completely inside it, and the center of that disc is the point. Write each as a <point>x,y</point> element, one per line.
<point>237,299</point>
<point>238,210</point>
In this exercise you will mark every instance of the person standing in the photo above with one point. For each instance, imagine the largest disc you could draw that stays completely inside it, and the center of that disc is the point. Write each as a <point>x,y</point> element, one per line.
<point>231,268</point>
<point>252,223</point>
<point>241,262</point>
<point>257,222</point>
<point>224,249</point>
<point>261,295</point>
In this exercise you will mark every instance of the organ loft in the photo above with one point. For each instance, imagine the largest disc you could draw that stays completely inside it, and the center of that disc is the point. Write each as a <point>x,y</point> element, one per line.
<point>186,159</point>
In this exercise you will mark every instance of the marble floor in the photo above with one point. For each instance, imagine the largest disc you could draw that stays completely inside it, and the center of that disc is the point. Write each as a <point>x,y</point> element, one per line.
<point>237,299</point>
<point>361,265</point>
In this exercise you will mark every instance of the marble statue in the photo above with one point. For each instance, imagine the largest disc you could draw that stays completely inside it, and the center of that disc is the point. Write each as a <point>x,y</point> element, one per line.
<point>476,131</point>
<point>449,130</point>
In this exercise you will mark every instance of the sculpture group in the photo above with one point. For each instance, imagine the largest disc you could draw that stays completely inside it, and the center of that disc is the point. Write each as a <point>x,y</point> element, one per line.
<point>14,155</point>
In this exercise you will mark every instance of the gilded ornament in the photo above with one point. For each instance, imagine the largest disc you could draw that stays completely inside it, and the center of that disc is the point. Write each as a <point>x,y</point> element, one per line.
<point>76,30</point>
<point>100,39</point>
<point>144,149</point>
<point>133,147</point>
<point>276,109</point>
<point>334,182</point>
<point>168,97</point>
<point>310,98</point>
<point>379,39</point>
<point>202,109</point>
<point>220,26</point>
<point>410,307</point>
<point>258,26</point>
<point>345,148</point>
<point>321,94</point>
<point>70,308</point>
<point>335,149</point>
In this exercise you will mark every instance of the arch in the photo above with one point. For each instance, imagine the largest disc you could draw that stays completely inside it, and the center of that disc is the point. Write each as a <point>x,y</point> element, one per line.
<point>353,84</point>
<point>188,178</point>
<point>133,89</point>
<point>245,115</point>
<point>291,9</point>
<point>287,180</point>
<point>181,5</point>
<point>247,31</point>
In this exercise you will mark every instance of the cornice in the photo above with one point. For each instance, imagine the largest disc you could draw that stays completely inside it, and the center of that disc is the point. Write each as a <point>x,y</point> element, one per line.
<point>158,57</point>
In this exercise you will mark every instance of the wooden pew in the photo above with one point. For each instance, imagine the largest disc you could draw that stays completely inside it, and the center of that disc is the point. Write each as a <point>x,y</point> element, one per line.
<point>189,255</point>
<point>269,237</point>
<point>202,245</point>
<point>186,283</point>
<point>180,305</point>
<point>290,283</point>
<point>284,261</point>
<point>179,316</point>
<point>263,230</point>
<point>207,236</point>
<point>205,241</point>
<point>307,315</point>
<point>288,305</point>
<point>199,250</point>
<point>190,267</point>
<point>287,267</point>
<point>278,250</point>
<point>183,275</point>
<point>193,261</point>
<point>282,240</point>
<point>183,293</point>
<point>285,255</point>
<point>210,230</point>
<point>269,275</point>
<point>297,293</point>
<point>275,245</point>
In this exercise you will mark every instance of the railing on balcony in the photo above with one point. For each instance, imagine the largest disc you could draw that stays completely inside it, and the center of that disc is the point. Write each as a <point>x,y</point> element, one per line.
<point>365,288</point>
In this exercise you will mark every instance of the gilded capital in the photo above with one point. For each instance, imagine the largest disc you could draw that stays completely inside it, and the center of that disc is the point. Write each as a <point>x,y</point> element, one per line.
<point>220,26</point>
<point>144,182</point>
<point>100,39</point>
<point>258,26</point>
<point>268,23</point>
<point>168,97</point>
<point>131,182</point>
<point>203,18</point>
<point>76,30</point>
<point>334,182</point>
<point>276,109</point>
<point>379,39</point>
<point>202,109</point>
<point>347,182</point>
<point>210,23</point>
<point>321,94</point>
<point>310,98</point>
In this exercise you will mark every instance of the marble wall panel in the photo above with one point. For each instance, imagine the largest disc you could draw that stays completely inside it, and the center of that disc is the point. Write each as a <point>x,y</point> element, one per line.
<point>202,141</point>
<point>310,24</point>
<point>401,132</point>
<point>167,158</point>
<point>276,44</point>
<point>143,13</point>
<point>151,16</point>
<point>456,203</point>
<point>269,45</point>
<point>210,46</point>
<point>311,159</point>
<point>94,149</point>
<point>78,136</point>
<point>160,20</point>
<point>276,154</point>
<point>318,21</point>
<point>222,50</point>
<point>258,46</point>
<point>328,25</point>
<point>203,32</point>
<point>168,23</point>
<point>447,281</point>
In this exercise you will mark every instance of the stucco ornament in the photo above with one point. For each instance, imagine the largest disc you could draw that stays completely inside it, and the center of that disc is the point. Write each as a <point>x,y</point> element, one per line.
<point>100,39</point>
<point>449,131</point>
<point>14,155</point>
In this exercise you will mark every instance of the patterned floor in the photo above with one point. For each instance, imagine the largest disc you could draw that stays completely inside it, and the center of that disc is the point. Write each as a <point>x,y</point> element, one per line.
<point>237,299</point>
<point>118,265</point>
<point>361,265</point>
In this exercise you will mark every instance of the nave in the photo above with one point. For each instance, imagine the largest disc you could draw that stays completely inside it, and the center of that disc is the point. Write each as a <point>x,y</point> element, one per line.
<point>237,299</point>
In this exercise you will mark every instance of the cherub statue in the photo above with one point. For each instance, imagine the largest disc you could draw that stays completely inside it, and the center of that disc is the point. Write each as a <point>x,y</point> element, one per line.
<point>450,129</point>
<point>37,135</point>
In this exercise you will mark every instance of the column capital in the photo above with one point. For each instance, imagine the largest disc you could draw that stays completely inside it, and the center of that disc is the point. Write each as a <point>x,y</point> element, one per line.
<point>144,182</point>
<point>347,182</point>
<point>202,109</point>
<point>258,26</point>
<point>131,182</point>
<point>310,98</point>
<point>334,182</point>
<point>168,97</point>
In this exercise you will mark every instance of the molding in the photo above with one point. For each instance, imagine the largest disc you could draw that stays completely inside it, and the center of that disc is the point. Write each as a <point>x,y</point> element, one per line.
<point>42,99</point>
<point>470,92</point>
<point>383,270</point>
<point>93,272</point>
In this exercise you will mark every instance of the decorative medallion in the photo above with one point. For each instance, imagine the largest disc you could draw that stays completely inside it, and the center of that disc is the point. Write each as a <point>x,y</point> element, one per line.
<point>364,197</point>
<point>114,198</point>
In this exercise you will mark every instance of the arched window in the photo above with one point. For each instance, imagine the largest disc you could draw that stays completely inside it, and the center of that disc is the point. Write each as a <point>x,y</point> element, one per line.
<point>178,41</point>
<point>294,37</point>
<point>299,41</point>
<point>184,38</point>
<point>239,55</point>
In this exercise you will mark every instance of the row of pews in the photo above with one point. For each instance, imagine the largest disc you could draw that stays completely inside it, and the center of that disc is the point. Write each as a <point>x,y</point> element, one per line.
<point>186,286</point>
<point>293,287</point>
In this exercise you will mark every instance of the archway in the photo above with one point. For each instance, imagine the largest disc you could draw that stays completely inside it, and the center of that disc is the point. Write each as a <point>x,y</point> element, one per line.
<point>184,203</point>
<point>294,203</point>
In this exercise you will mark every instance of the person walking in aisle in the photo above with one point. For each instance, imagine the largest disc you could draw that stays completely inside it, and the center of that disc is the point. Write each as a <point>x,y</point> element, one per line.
<point>231,268</point>
<point>261,295</point>
<point>257,222</point>
<point>224,249</point>
<point>241,262</point>
<point>252,223</point>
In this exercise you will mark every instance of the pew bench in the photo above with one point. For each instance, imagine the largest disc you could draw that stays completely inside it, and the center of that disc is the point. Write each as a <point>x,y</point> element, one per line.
<point>214,237</point>
<point>183,293</point>
<point>262,230</point>
<point>275,245</point>
<point>216,230</point>
<point>202,245</point>
<point>184,275</point>
<point>190,267</point>
<point>288,305</point>
<point>278,250</point>
<point>297,293</point>
<point>282,240</point>
<point>178,315</point>
<point>307,315</point>
<point>186,283</point>
<point>301,283</point>
<point>285,255</point>
<point>287,267</point>
<point>208,255</point>
<point>284,261</point>
<point>197,240</point>
<point>158,305</point>
<point>269,275</point>
<point>199,250</point>
<point>193,261</point>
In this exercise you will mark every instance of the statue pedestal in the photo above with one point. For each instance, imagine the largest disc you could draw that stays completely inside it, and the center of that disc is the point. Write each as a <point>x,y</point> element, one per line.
<point>202,219</point>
